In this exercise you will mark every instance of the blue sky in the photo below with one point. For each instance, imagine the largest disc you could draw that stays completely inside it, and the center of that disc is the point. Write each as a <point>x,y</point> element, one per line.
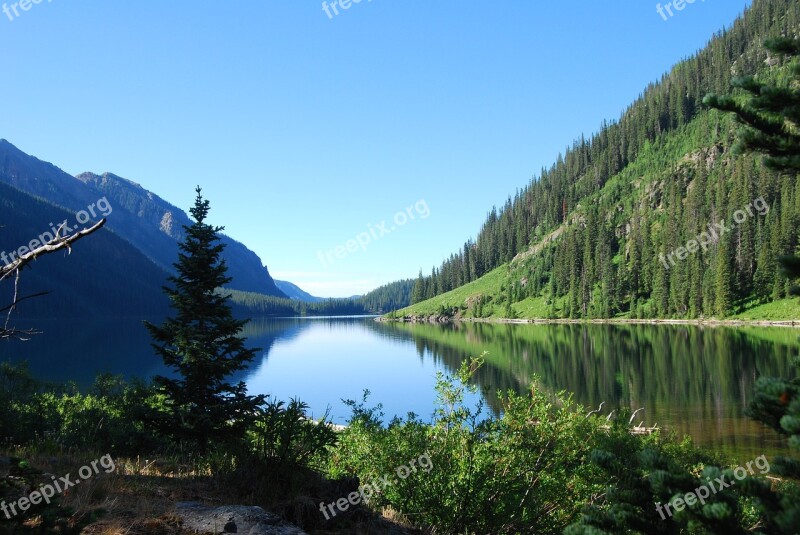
<point>307,131</point>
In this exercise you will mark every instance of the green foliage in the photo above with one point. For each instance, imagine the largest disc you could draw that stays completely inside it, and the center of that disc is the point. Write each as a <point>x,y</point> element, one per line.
<point>202,343</point>
<point>17,479</point>
<point>106,418</point>
<point>386,298</point>
<point>523,472</point>
<point>771,113</point>
<point>285,437</point>
<point>256,304</point>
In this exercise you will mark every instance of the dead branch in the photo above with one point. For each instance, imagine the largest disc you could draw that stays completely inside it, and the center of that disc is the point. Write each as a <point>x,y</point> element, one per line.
<point>51,246</point>
<point>57,243</point>
<point>634,415</point>
<point>597,410</point>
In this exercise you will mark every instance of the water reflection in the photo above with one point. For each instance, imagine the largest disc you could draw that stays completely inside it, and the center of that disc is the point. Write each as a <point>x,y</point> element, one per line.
<point>689,379</point>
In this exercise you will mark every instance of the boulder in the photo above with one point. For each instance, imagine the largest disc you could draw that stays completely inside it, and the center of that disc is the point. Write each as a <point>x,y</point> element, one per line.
<point>247,520</point>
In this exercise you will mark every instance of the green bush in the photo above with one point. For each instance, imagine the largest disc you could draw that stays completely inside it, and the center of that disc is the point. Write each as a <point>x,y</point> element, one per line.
<point>522,472</point>
<point>284,436</point>
<point>106,418</point>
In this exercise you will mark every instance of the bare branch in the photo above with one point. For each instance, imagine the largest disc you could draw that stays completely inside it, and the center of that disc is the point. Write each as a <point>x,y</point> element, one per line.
<point>21,299</point>
<point>634,415</point>
<point>57,243</point>
<point>598,409</point>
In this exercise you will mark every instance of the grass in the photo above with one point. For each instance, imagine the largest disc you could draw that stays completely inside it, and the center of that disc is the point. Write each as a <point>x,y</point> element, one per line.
<point>785,309</point>
<point>491,286</point>
<point>463,296</point>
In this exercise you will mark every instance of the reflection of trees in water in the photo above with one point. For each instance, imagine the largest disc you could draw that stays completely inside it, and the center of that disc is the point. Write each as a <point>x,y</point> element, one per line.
<point>264,332</point>
<point>693,380</point>
<point>490,378</point>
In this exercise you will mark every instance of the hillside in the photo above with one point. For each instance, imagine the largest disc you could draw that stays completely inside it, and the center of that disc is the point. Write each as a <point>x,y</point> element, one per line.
<point>146,221</point>
<point>604,232</point>
<point>103,275</point>
<point>156,227</point>
<point>292,291</point>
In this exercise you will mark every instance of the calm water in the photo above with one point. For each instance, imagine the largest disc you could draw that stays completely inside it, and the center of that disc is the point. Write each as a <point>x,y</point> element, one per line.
<point>689,379</point>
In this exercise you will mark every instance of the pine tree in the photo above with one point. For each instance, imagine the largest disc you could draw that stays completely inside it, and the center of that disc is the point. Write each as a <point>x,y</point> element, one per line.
<point>418,293</point>
<point>723,291</point>
<point>771,116</point>
<point>202,343</point>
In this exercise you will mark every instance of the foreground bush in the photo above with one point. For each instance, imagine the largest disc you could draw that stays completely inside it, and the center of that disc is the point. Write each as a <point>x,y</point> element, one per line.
<point>542,467</point>
<point>523,472</point>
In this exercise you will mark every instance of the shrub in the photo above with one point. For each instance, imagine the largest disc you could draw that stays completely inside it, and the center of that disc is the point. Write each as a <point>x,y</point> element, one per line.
<point>521,472</point>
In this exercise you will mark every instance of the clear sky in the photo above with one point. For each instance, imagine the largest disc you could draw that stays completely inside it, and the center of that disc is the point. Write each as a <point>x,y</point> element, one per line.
<point>307,130</point>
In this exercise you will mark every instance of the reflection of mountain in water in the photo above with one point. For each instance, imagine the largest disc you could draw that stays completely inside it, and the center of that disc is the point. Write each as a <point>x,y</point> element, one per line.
<point>264,332</point>
<point>78,350</point>
<point>491,378</point>
<point>694,380</point>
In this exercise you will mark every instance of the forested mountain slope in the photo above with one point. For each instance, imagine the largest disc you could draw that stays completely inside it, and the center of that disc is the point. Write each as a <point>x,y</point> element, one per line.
<point>102,275</point>
<point>654,216</point>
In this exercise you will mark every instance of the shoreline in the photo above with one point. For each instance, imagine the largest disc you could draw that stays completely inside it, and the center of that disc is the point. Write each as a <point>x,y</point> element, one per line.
<point>543,321</point>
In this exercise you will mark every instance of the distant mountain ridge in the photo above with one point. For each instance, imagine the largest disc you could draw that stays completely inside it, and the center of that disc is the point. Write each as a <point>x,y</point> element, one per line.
<point>146,221</point>
<point>121,270</point>
<point>293,291</point>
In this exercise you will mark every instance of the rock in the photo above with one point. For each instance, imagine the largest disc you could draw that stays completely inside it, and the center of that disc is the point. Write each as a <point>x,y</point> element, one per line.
<point>198,518</point>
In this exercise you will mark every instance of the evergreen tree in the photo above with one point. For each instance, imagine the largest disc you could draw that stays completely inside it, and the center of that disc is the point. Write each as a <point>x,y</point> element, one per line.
<point>771,115</point>
<point>202,344</point>
<point>723,296</point>
<point>418,293</point>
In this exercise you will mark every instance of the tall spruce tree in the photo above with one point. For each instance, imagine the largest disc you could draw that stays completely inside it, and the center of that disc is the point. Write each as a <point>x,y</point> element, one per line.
<point>202,343</point>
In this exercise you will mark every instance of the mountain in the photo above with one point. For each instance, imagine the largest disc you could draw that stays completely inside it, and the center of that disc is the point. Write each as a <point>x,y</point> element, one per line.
<point>142,218</point>
<point>380,300</point>
<point>629,223</point>
<point>157,219</point>
<point>102,275</point>
<point>293,291</point>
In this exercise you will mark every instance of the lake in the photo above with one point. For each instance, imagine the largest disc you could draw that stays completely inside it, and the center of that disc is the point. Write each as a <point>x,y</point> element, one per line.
<point>689,379</point>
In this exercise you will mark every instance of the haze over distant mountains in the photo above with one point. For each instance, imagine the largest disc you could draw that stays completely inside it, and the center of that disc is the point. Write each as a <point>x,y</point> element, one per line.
<point>293,291</point>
